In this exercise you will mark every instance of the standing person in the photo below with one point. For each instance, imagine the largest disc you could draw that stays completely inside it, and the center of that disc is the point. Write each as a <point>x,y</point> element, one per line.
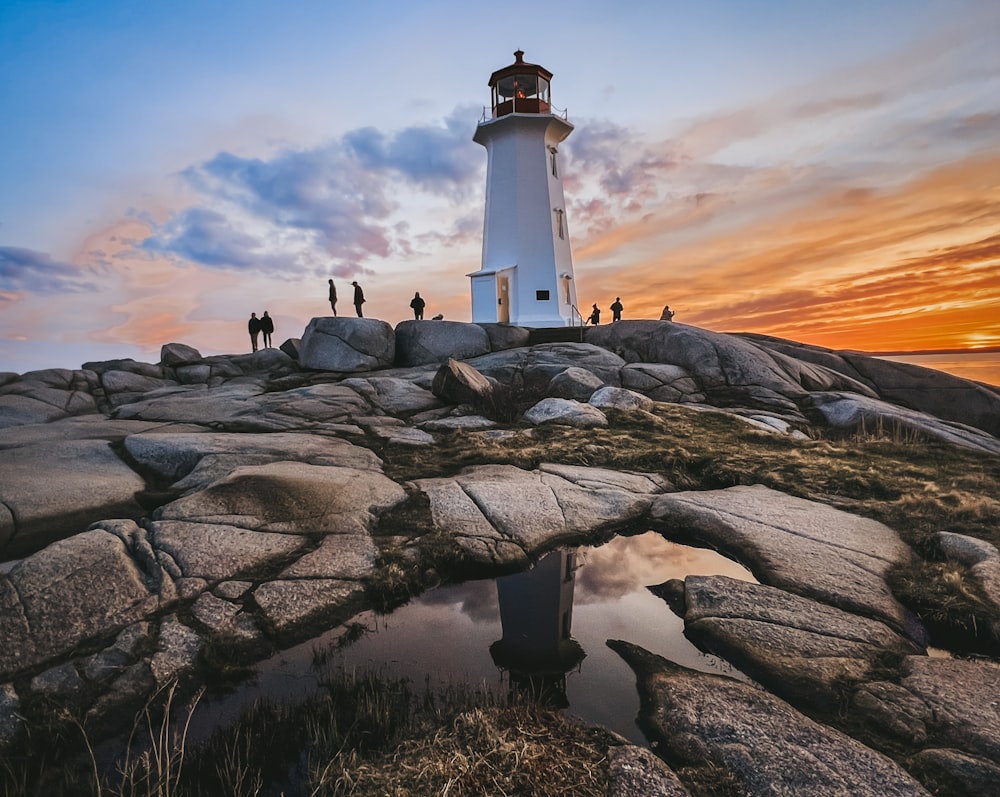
<point>333,298</point>
<point>418,307</point>
<point>616,309</point>
<point>595,316</point>
<point>253,327</point>
<point>267,327</point>
<point>667,314</point>
<point>359,298</point>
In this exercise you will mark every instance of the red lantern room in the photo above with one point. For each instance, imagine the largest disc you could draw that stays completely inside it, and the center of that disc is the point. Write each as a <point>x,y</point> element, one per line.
<point>521,88</point>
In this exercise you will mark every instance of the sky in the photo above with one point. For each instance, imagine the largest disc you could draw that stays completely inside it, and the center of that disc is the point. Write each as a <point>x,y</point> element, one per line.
<point>824,171</point>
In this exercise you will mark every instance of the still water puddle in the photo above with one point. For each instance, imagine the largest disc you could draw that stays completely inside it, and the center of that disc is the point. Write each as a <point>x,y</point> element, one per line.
<point>550,622</point>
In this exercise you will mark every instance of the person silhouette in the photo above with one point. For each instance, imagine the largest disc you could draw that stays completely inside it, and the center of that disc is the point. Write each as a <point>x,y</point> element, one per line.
<point>333,298</point>
<point>667,314</point>
<point>359,298</point>
<point>616,309</point>
<point>253,327</point>
<point>267,327</point>
<point>418,307</point>
<point>595,316</point>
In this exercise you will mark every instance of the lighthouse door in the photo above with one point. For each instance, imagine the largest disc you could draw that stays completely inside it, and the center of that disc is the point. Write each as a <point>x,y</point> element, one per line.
<point>503,299</point>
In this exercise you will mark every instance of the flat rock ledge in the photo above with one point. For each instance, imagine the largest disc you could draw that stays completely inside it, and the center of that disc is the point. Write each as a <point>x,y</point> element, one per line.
<point>756,742</point>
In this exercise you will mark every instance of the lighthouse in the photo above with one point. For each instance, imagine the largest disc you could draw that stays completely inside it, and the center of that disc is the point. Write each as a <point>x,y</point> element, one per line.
<point>526,277</point>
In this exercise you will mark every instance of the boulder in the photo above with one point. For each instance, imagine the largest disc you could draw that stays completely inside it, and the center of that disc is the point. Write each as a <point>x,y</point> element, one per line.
<point>565,412</point>
<point>53,490</point>
<point>574,383</point>
<point>460,383</point>
<point>618,398</point>
<point>804,652</point>
<point>422,343</point>
<point>292,347</point>
<point>850,411</point>
<point>754,742</point>
<point>801,546</point>
<point>195,404</point>
<point>177,651</point>
<point>347,345</point>
<point>45,396</point>
<point>505,336</point>
<point>11,721</point>
<point>174,354</point>
<point>635,771</point>
<point>299,606</point>
<point>392,395</point>
<point>51,602</point>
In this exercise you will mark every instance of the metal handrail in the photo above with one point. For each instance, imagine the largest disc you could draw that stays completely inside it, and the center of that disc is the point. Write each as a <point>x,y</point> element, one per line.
<point>562,113</point>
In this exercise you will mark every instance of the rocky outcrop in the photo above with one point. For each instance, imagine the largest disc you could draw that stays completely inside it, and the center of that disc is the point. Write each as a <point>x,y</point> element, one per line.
<point>801,546</point>
<point>347,345</point>
<point>565,412</point>
<point>755,742</point>
<point>805,652</point>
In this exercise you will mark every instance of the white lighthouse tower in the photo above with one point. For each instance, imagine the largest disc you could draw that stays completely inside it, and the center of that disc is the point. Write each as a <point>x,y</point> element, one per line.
<point>527,274</point>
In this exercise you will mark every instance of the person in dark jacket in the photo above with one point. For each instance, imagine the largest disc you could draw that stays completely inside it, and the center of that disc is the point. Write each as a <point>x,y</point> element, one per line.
<point>267,327</point>
<point>359,298</point>
<point>253,327</point>
<point>595,316</point>
<point>418,307</point>
<point>616,310</point>
<point>333,297</point>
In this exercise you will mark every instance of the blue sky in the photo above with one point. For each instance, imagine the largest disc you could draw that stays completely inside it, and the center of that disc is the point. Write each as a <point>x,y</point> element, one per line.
<point>825,171</point>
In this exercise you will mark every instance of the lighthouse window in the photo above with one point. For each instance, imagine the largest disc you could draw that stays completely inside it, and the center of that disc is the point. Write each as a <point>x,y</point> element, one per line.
<point>555,169</point>
<point>559,222</point>
<point>542,296</point>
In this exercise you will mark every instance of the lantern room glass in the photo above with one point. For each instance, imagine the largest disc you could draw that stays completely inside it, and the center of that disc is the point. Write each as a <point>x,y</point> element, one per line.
<point>521,93</point>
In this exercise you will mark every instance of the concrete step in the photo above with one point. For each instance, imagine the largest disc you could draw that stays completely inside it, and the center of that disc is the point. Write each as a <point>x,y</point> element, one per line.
<point>555,335</point>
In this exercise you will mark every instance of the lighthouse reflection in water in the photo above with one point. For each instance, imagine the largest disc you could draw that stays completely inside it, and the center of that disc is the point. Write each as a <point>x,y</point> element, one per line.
<point>537,650</point>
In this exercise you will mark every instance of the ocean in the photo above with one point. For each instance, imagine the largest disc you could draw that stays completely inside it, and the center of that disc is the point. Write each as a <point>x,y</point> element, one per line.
<point>980,367</point>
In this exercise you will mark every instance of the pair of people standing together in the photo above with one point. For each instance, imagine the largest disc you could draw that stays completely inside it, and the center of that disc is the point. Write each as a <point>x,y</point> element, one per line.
<point>257,326</point>
<point>616,312</point>
<point>359,298</point>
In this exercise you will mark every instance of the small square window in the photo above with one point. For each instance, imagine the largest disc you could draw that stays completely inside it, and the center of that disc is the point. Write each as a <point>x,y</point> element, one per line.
<point>542,296</point>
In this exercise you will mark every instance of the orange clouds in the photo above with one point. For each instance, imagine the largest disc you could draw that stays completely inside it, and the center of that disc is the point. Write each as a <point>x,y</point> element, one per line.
<point>916,266</point>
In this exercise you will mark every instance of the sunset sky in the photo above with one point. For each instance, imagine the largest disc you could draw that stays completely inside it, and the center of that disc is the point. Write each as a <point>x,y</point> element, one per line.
<point>825,171</point>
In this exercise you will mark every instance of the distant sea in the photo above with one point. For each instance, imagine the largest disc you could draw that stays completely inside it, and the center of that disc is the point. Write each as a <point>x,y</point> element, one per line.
<point>978,366</point>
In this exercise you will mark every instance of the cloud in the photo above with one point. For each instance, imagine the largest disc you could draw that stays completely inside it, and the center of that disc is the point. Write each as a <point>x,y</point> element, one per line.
<point>300,209</point>
<point>36,272</point>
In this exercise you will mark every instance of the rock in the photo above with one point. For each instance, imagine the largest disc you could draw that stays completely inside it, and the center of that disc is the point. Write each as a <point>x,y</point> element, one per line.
<point>661,382</point>
<point>193,461</point>
<point>61,682</point>
<point>965,550</point>
<point>196,404</point>
<point>951,772</point>
<point>636,772</point>
<point>505,336</point>
<point>347,345</point>
<point>573,383</point>
<point>45,396</point>
<point>290,497</point>
<point>123,387</point>
<point>341,556</point>
<point>296,605</point>
<point>499,514</point>
<point>547,360</point>
<point>176,653</point>
<point>804,652</point>
<point>421,343</point>
<point>11,721</point>
<point>227,620</point>
<point>948,397</point>
<point>459,383</point>
<point>460,422</point>
<point>51,602</point>
<point>54,490</point>
<point>728,369</point>
<point>218,552</point>
<point>292,347</point>
<point>801,546</point>
<point>849,411</point>
<point>750,740</point>
<point>174,354</point>
<point>565,412</point>
<point>393,396</point>
<point>618,398</point>
<point>109,663</point>
<point>305,407</point>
